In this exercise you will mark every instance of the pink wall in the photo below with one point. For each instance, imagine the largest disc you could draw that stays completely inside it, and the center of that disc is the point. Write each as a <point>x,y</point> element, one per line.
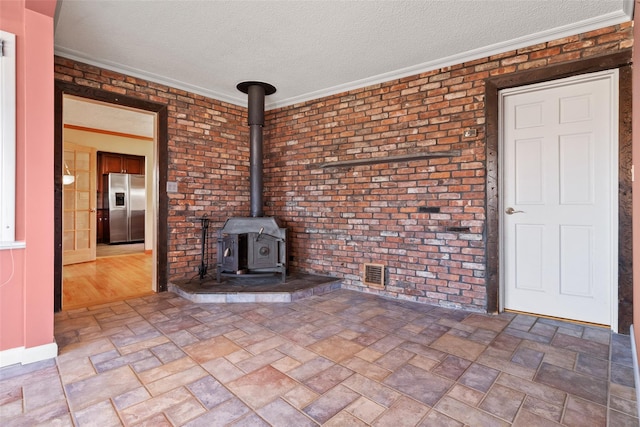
<point>636,183</point>
<point>26,300</point>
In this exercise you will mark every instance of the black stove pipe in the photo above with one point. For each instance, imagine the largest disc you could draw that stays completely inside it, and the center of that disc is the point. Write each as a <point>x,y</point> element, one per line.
<point>256,92</point>
<point>256,122</point>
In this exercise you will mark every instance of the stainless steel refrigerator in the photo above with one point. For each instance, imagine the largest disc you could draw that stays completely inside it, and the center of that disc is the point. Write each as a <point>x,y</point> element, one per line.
<point>126,201</point>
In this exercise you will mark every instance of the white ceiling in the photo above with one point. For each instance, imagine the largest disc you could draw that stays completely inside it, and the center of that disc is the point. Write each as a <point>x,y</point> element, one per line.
<point>308,49</point>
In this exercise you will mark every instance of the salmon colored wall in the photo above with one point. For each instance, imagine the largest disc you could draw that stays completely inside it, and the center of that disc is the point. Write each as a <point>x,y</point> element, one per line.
<point>636,183</point>
<point>26,274</point>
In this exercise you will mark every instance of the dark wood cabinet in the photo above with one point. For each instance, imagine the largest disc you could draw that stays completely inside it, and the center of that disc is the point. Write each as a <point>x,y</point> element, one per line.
<point>133,165</point>
<point>102,228</point>
<point>109,163</point>
<point>120,163</point>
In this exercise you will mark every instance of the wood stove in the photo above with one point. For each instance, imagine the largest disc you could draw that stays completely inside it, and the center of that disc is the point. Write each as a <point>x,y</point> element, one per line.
<point>250,246</point>
<point>255,244</point>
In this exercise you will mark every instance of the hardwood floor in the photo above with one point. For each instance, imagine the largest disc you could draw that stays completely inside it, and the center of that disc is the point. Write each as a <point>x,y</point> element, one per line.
<point>106,279</point>
<point>104,249</point>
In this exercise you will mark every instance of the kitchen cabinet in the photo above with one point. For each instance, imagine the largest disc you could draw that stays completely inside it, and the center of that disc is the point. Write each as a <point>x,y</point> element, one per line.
<point>102,228</point>
<point>133,165</point>
<point>120,163</point>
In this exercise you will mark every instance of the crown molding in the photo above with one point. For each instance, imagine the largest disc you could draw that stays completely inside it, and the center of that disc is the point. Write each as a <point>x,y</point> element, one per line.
<point>145,75</point>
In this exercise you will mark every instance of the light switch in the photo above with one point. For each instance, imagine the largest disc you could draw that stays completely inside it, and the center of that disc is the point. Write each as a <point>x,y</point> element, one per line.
<point>172,187</point>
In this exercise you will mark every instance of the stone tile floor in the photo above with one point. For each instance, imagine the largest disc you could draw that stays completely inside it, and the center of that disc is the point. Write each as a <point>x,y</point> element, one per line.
<point>339,359</point>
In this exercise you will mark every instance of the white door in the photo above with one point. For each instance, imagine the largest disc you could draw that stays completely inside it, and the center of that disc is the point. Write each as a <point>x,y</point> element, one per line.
<point>559,198</point>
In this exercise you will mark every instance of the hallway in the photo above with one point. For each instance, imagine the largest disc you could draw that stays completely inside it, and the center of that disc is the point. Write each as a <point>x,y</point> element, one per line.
<point>340,359</point>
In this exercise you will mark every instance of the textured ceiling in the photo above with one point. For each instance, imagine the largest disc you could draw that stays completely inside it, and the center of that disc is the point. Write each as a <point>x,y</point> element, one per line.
<point>308,49</point>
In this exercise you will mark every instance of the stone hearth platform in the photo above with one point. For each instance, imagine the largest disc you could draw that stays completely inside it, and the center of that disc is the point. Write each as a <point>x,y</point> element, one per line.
<point>258,288</point>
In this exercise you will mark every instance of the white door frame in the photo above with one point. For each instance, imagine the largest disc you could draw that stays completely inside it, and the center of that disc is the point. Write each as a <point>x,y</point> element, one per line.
<point>612,76</point>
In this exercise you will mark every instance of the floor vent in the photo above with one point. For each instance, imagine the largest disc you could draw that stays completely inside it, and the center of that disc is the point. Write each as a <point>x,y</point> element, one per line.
<point>374,275</point>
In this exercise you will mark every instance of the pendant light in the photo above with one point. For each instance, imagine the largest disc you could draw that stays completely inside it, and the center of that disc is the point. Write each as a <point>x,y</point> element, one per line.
<point>67,178</point>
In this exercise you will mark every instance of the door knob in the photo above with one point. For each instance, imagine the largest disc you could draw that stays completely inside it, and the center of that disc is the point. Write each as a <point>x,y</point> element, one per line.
<point>511,211</point>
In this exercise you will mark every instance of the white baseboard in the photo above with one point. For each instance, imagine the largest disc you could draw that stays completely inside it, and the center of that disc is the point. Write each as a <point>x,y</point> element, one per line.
<point>636,371</point>
<point>25,356</point>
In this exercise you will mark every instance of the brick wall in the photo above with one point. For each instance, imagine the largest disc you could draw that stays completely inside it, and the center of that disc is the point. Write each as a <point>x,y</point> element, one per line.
<point>424,219</point>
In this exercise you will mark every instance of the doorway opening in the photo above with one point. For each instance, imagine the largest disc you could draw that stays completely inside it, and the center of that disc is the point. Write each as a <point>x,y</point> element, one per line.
<point>117,146</point>
<point>118,274</point>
